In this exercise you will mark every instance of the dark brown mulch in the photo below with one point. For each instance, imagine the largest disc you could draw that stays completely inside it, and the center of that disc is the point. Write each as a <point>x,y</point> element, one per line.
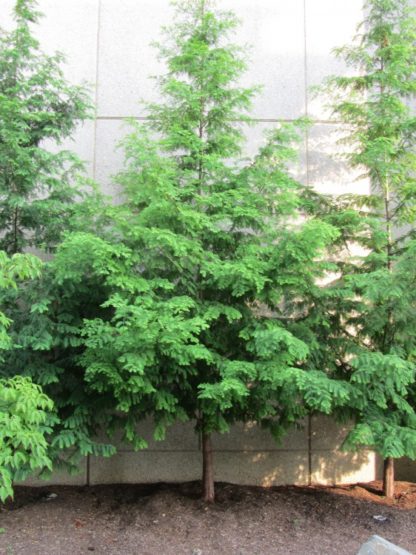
<point>171,519</point>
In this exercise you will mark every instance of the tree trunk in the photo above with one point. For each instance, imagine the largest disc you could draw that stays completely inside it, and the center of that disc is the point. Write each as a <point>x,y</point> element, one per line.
<point>207,469</point>
<point>388,478</point>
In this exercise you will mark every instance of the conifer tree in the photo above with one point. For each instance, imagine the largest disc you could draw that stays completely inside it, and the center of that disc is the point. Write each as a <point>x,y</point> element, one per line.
<point>366,319</point>
<point>42,196</point>
<point>204,259</point>
<point>37,189</point>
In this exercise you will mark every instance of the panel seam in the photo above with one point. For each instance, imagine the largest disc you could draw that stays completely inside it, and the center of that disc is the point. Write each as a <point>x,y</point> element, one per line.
<point>96,117</point>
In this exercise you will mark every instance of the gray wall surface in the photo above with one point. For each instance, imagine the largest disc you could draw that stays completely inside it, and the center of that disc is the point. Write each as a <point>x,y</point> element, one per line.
<point>248,455</point>
<point>107,44</point>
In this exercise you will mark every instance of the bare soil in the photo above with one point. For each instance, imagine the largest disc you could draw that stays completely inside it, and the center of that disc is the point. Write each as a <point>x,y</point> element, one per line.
<point>171,519</point>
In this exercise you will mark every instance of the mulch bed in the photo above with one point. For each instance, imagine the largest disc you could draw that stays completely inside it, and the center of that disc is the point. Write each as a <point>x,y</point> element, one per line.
<point>171,519</point>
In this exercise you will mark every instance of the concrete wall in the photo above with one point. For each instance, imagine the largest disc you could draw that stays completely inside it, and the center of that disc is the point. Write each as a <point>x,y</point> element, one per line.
<point>247,455</point>
<point>107,45</point>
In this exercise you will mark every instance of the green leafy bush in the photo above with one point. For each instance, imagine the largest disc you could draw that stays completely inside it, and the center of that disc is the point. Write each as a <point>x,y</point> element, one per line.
<point>25,418</point>
<point>25,411</point>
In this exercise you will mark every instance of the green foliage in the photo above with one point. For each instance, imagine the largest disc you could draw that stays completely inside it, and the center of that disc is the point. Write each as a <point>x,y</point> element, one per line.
<point>364,320</point>
<point>19,266</point>
<point>37,107</point>
<point>41,198</point>
<point>200,296</point>
<point>25,419</point>
<point>47,317</point>
<point>377,105</point>
<point>204,258</point>
<point>25,411</point>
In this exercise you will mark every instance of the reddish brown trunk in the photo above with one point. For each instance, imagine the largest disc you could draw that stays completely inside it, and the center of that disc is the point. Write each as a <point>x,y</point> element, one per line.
<point>388,478</point>
<point>207,469</point>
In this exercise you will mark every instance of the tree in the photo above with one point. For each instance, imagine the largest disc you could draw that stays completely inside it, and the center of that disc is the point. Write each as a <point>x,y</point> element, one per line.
<point>369,330</point>
<point>47,316</point>
<point>37,192</point>
<point>204,258</point>
<point>42,196</point>
<point>26,413</point>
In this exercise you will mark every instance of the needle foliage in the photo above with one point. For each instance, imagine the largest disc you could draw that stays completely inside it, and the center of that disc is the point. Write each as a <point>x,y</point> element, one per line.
<point>38,108</point>
<point>206,254</point>
<point>368,335</point>
<point>42,196</point>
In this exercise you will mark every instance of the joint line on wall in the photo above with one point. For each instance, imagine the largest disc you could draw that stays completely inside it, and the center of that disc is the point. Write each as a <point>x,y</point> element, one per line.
<point>88,477</point>
<point>97,58</point>
<point>309,450</point>
<point>305,67</point>
<point>255,120</point>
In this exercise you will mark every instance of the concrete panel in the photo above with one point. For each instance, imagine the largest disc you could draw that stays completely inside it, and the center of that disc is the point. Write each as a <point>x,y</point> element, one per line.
<point>328,170</point>
<point>6,14</point>
<point>109,157</point>
<point>405,469</point>
<point>68,27</point>
<point>263,468</point>
<point>336,467</point>
<point>81,143</point>
<point>61,478</point>
<point>251,437</point>
<point>274,32</point>
<point>126,59</point>
<point>71,28</point>
<point>327,433</point>
<point>146,467</point>
<point>179,437</point>
<point>329,24</point>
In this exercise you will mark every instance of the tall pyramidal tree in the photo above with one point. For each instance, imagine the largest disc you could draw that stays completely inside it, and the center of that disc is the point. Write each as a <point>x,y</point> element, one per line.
<point>204,258</point>
<point>369,332</point>
<point>37,191</point>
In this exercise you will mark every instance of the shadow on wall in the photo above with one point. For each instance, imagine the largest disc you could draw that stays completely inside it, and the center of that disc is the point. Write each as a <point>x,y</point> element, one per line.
<point>308,454</point>
<point>247,455</point>
<point>328,463</point>
<point>328,169</point>
<point>338,467</point>
<point>277,468</point>
<point>405,470</point>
